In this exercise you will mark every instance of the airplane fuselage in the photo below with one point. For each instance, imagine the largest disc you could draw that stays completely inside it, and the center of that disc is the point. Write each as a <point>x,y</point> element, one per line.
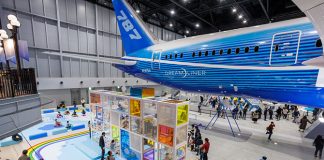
<point>268,61</point>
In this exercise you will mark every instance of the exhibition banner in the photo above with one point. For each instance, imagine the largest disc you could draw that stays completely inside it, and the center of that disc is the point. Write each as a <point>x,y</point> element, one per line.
<point>23,50</point>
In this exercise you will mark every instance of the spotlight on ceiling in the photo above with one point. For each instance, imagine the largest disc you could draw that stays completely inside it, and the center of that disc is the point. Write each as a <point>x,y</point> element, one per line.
<point>234,10</point>
<point>245,21</point>
<point>240,16</point>
<point>170,25</point>
<point>187,31</point>
<point>138,11</point>
<point>172,12</point>
<point>197,25</point>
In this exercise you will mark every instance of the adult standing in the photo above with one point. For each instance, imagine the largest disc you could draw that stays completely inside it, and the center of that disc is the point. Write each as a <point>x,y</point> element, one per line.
<point>89,126</point>
<point>245,110</point>
<point>296,114</point>
<point>270,130</point>
<point>83,102</point>
<point>102,145</point>
<point>303,124</point>
<point>279,111</point>
<point>265,113</point>
<point>285,113</point>
<point>318,143</point>
<point>205,148</point>
<point>199,107</point>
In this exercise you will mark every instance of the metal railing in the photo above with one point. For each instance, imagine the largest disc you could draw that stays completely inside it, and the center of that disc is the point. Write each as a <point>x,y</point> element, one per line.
<point>13,85</point>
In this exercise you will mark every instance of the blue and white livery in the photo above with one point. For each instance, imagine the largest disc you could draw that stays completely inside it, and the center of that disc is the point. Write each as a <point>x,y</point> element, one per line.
<point>281,61</point>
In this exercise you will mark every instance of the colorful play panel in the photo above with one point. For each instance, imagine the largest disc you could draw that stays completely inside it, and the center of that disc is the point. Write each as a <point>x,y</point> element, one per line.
<point>144,128</point>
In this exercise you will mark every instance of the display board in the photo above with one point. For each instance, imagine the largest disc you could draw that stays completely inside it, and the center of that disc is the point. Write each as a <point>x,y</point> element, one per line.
<point>144,128</point>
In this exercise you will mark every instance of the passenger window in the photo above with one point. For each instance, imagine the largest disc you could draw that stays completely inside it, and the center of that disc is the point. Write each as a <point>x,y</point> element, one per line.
<point>176,56</point>
<point>206,53</point>
<point>214,52</point>
<point>247,49</point>
<point>170,56</point>
<point>166,57</point>
<point>256,49</point>
<point>193,54</point>
<point>237,50</point>
<point>276,47</point>
<point>199,53</point>
<point>221,52</point>
<point>181,55</point>
<point>319,43</point>
<point>229,51</point>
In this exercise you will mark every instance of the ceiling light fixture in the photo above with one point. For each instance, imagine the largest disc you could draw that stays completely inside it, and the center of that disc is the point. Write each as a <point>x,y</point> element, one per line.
<point>197,25</point>
<point>234,10</point>
<point>240,16</point>
<point>138,11</point>
<point>172,12</point>
<point>244,21</point>
<point>187,31</point>
<point>171,25</point>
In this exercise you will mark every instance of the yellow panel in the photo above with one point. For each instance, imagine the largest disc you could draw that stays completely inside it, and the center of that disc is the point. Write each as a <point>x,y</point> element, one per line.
<point>182,114</point>
<point>135,107</point>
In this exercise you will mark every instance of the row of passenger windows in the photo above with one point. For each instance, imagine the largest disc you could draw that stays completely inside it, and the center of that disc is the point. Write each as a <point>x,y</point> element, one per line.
<point>229,51</point>
<point>206,53</point>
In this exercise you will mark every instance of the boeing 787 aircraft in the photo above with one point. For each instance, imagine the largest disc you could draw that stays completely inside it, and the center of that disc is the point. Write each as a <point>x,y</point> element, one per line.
<point>281,61</point>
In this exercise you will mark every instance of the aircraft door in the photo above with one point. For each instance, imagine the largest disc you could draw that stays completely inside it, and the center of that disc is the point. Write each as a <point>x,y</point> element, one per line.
<point>156,57</point>
<point>284,48</point>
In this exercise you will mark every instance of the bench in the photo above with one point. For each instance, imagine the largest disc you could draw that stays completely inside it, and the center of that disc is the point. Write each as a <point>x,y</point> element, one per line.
<point>73,128</point>
<point>59,131</point>
<point>37,136</point>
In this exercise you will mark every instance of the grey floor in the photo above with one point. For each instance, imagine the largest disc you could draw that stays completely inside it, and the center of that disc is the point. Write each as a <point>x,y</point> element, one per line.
<point>251,143</point>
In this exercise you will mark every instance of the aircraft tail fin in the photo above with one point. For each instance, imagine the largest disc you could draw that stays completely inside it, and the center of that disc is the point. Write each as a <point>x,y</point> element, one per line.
<point>134,34</point>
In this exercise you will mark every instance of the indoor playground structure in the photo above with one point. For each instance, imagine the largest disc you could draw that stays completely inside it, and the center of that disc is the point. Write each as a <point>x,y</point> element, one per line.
<point>143,126</point>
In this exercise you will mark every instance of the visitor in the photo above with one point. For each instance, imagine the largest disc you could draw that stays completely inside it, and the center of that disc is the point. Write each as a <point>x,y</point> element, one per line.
<point>67,112</point>
<point>201,99</point>
<point>68,125</point>
<point>83,112</point>
<point>113,146</point>
<point>83,102</point>
<point>219,110</point>
<point>198,142</point>
<point>24,155</point>
<point>285,113</point>
<point>110,156</point>
<point>318,143</point>
<point>303,124</point>
<point>240,113</point>
<point>199,107</point>
<point>57,123</point>
<point>192,143</point>
<point>102,145</point>
<point>265,112</point>
<point>59,115</point>
<point>279,111</point>
<point>245,111</point>
<point>197,131</point>
<point>270,130</point>
<point>296,115</point>
<point>74,114</point>
<point>255,117</point>
<point>259,112</point>
<point>264,158</point>
<point>205,149</point>
<point>270,113</point>
<point>234,112</point>
<point>89,126</point>
<point>16,137</point>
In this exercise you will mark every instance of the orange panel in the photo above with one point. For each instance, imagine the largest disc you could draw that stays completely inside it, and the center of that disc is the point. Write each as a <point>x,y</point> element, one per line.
<point>166,135</point>
<point>148,92</point>
<point>135,107</point>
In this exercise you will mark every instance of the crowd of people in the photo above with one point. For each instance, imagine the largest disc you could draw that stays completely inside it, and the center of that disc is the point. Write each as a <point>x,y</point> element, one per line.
<point>196,144</point>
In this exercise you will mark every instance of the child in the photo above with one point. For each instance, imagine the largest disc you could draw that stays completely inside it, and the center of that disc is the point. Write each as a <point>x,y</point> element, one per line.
<point>59,115</point>
<point>67,112</point>
<point>74,114</point>
<point>57,123</point>
<point>68,125</point>
<point>83,112</point>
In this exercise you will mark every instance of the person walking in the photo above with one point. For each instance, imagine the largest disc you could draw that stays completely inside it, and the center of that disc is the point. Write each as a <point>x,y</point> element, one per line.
<point>303,124</point>
<point>296,114</point>
<point>279,111</point>
<point>265,113</point>
<point>285,113</point>
<point>255,116</point>
<point>245,110</point>
<point>102,145</point>
<point>270,130</point>
<point>270,113</point>
<point>318,143</point>
<point>24,155</point>
<point>204,149</point>
<point>199,107</point>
